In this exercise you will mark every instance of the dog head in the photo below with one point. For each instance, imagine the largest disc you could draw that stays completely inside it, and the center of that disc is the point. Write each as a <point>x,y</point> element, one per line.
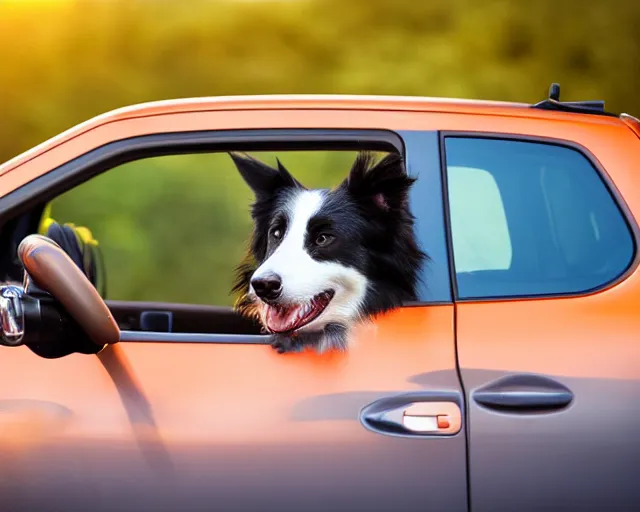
<point>321,257</point>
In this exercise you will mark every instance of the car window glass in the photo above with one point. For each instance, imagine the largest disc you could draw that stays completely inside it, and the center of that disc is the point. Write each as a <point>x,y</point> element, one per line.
<point>531,218</point>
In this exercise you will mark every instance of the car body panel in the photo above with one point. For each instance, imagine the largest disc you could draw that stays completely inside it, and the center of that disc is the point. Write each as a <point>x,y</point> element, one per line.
<point>300,104</point>
<point>54,153</point>
<point>385,357</point>
<point>187,421</point>
<point>586,457</point>
<point>236,423</point>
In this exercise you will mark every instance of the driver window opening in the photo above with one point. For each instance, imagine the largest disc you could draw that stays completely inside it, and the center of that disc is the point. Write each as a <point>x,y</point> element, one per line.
<point>172,229</point>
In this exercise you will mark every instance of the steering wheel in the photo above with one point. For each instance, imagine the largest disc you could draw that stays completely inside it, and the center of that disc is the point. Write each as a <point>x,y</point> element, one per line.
<point>51,269</point>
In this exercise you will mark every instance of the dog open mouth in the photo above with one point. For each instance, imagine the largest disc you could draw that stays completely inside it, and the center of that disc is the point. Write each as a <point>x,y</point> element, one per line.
<point>285,318</point>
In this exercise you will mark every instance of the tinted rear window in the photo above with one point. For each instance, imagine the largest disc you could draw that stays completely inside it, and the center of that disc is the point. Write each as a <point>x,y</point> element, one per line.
<point>531,218</point>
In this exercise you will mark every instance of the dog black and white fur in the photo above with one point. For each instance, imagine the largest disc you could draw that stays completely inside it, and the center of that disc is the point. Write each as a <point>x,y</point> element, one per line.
<point>322,260</point>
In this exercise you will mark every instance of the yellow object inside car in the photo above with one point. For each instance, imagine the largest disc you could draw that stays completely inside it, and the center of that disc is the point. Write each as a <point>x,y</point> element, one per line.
<point>83,232</point>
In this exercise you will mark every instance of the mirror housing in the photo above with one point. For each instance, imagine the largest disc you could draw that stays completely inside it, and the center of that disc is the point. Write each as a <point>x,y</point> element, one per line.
<point>11,315</point>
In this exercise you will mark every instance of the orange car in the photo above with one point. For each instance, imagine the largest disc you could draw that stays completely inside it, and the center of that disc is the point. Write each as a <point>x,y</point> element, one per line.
<point>513,384</point>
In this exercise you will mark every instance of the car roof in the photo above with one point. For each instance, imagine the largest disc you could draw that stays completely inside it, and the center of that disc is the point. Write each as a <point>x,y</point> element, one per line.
<point>311,102</point>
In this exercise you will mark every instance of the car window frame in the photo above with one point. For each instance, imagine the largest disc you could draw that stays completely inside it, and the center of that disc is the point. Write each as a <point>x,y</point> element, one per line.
<point>606,179</point>
<point>420,149</point>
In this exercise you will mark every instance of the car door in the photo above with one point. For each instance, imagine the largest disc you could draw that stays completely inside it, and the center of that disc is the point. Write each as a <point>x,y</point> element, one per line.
<point>171,421</point>
<point>547,293</point>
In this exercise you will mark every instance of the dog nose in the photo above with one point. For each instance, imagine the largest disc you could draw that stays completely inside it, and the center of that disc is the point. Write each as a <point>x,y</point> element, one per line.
<point>267,287</point>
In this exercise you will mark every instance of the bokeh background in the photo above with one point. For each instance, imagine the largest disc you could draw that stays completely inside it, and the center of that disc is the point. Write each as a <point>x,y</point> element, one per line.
<point>173,228</point>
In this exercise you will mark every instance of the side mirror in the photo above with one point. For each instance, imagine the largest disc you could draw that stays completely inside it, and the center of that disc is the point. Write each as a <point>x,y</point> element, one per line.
<point>11,315</point>
<point>58,310</point>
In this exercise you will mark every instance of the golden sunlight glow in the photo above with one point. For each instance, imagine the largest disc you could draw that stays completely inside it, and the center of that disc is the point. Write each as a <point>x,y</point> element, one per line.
<point>31,2</point>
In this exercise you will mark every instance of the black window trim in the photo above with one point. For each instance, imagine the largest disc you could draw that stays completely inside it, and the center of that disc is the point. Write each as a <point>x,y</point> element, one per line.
<point>112,154</point>
<point>607,181</point>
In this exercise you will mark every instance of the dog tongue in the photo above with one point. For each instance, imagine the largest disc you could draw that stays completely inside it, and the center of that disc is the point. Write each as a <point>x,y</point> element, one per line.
<point>283,320</point>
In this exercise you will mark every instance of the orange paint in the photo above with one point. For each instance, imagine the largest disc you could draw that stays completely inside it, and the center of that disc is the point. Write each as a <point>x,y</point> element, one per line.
<point>176,395</point>
<point>198,393</point>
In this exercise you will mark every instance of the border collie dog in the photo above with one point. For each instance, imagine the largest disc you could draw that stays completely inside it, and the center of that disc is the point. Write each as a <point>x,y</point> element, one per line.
<point>321,260</point>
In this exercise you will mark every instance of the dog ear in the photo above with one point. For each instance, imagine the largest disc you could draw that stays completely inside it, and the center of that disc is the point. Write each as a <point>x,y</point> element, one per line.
<point>382,186</point>
<point>261,178</point>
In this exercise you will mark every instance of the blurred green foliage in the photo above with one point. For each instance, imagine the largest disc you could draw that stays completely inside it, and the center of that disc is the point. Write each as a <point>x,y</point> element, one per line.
<point>66,61</point>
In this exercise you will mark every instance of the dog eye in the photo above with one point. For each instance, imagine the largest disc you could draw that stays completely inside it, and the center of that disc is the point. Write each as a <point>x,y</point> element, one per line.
<point>276,233</point>
<point>322,240</point>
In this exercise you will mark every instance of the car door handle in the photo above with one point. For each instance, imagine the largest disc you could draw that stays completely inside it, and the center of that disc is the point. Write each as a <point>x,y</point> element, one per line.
<point>524,393</point>
<point>414,414</point>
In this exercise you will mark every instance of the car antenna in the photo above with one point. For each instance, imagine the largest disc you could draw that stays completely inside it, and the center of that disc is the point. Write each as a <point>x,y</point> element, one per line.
<point>581,107</point>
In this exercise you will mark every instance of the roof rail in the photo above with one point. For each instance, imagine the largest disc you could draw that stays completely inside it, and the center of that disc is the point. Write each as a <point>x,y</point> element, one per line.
<point>553,102</point>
